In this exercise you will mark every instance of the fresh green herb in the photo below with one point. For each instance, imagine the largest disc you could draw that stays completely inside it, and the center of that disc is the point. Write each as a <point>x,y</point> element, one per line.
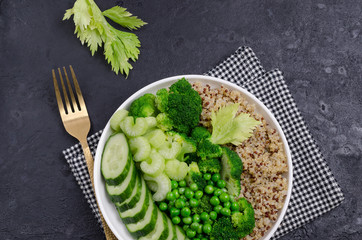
<point>229,128</point>
<point>92,28</point>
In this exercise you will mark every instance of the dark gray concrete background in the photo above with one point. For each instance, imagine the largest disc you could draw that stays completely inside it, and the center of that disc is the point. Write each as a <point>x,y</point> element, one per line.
<point>318,46</point>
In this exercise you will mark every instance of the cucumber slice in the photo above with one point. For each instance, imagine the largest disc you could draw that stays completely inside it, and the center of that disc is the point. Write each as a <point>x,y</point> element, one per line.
<point>140,148</point>
<point>145,225</point>
<point>139,209</point>
<point>171,230</point>
<point>180,234</point>
<point>176,170</point>
<point>163,186</point>
<point>170,150</point>
<point>116,159</point>
<point>156,138</point>
<point>121,192</point>
<point>133,198</point>
<point>154,165</point>
<point>165,232</point>
<point>117,118</point>
<point>158,230</point>
<point>134,128</point>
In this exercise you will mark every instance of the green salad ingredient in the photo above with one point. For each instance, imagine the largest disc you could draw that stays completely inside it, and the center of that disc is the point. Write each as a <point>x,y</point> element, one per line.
<point>227,127</point>
<point>232,167</point>
<point>92,28</point>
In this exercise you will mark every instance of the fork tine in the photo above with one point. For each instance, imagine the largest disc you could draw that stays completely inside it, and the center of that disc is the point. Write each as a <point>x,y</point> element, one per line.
<point>74,103</point>
<point>77,89</point>
<point>66,99</point>
<point>57,94</point>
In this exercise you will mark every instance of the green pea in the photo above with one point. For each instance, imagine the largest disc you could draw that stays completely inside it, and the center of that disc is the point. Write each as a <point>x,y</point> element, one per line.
<point>218,208</point>
<point>218,192</point>
<point>209,189</point>
<point>224,197</point>
<point>215,177</point>
<point>180,203</point>
<point>196,218</point>
<point>170,196</point>
<point>174,212</point>
<point>234,206</point>
<point>199,230</point>
<point>221,183</point>
<point>227,205</point>
<point>185,227</point>
<point>183,197</point>
<point>194,187</point>
<point>194,202</point>
<point>225,212</point>
<point>190,233</point>
<point>207,176</point>
<point>210,183</point>
<point>176,193</point>
<point>194,226</point>
<point>204,216</point>
<point>185,212</point>
<point>213,215</point>
<point>187,220</point>
<point>176,220</point>
<point>171,204</point>
<point>181,190</point>
<point>232,199</point>
<point>174,184</point>
<point>199,194</point>
<point>163,206</point>
<point>214,201</point>
<point>207,228</point>
<point>208,221</point>
<point>189,193</point>
<point>182,183</point>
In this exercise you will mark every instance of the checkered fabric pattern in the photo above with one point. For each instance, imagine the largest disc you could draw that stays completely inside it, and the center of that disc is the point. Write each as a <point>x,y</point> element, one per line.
<point>315,191</point>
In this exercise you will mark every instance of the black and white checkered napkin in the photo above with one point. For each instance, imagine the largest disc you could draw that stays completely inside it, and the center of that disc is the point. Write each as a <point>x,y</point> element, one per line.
<point>315,191</point>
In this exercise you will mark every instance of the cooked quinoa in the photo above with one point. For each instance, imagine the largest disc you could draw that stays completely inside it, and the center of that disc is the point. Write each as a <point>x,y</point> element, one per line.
<point>263,181</point>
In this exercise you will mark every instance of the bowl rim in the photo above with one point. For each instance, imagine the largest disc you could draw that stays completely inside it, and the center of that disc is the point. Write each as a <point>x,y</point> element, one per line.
<point>97,159</point>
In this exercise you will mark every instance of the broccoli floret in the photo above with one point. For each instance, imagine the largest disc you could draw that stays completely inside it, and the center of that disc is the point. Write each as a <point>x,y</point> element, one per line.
<point>244,221</point>
<point>204,205</point>
<point>162,99</point>
<point>188,145</point>
<point>232,167</point>
<point>164,122</point>
<point>143,106</point>
<point>184,106</point>
<point>223,229</point>
<point>195,176</point>
<point>191,157</point>
<point>207,149</point>
<point>199,133</point>
<point>211,165</point>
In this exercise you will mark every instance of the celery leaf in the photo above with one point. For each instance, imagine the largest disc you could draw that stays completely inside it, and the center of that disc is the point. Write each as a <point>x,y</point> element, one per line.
<point>227,127</point>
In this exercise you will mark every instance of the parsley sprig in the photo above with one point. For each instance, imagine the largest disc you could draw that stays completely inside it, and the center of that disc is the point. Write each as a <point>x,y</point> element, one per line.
<point>91,27</point>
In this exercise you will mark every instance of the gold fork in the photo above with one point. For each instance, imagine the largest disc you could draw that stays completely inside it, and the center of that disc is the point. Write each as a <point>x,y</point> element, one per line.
<point>76,121</point>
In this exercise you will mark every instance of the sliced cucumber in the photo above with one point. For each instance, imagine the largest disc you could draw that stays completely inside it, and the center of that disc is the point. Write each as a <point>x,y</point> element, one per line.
<point>158,230</point>
<point>156,138</point>
<point>165,232</point>
<point>176,170</point>
<point>154,165</point>
<point>121,192</point>
<point>116,159</point>
<point>145,225</point>
<point>134,197</point>
<point>171,230</point>
<point>134,128</point>
<point>139,210</point>
<point>140,148</point>
<point>180,234</point>
<point>163,186</point>
<point>117,118</point>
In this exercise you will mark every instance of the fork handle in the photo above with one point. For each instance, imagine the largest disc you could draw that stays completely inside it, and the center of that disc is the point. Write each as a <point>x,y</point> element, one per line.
<point>90,165</point>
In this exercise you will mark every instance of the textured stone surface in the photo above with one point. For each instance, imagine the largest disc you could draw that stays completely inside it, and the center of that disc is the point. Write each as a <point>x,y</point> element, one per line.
<point>318,45</point>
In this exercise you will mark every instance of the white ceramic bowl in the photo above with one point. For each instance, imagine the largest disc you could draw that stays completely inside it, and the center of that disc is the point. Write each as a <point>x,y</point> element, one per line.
<point>107,207</point>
